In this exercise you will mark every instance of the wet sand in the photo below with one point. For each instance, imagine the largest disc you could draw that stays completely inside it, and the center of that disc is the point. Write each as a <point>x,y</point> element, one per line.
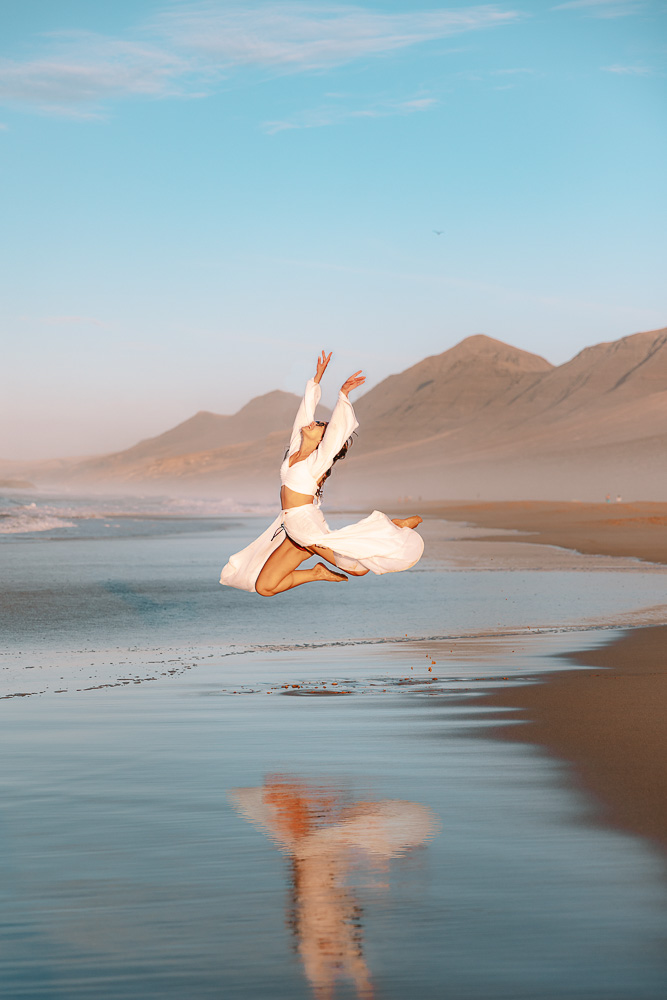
<point>638,530</point>
<point>608,723</point>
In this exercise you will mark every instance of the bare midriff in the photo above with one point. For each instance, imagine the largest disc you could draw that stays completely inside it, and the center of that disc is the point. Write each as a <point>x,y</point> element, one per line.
<point>288,498</point>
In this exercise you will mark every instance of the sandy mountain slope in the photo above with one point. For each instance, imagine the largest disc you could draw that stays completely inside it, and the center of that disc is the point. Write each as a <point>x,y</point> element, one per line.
<point>633,367</point>
<point>610,390</point>
<point>481,419</point>
<point>481,388</point>
<point>595,424</point>
<point>202,445</point>
<point>476,378</point>
<point>208,430</point>
<point>485,418</point>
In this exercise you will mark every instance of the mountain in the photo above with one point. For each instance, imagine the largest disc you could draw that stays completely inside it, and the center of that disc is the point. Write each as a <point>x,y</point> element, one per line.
<point>205,444</point>
<point>207,430</point>
<point>633,367</point>
<point>481,419</point>
<point>484,382</point>
<point>477,377</point>
<point>593,425</point>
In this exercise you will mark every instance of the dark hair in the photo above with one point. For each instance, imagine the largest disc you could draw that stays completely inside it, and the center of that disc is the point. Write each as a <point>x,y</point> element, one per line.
<point>341,454</point>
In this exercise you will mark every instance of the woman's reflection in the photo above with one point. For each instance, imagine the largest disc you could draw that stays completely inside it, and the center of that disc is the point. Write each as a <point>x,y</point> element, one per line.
<point>326,836</point>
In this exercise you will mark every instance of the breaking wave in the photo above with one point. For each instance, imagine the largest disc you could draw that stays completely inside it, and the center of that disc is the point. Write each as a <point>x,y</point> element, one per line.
<point>25,515</point>
<point>31,518</point>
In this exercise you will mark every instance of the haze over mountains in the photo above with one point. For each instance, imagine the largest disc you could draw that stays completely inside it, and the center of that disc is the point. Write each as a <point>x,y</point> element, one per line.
<point>490,420</point>
<point>481,419</point>
<point>194,444</point>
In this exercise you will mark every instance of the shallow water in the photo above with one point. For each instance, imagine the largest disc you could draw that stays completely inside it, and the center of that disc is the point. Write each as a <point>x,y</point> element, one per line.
<point>153,581</point>
<point>167,838</point>
<point>396,846</point>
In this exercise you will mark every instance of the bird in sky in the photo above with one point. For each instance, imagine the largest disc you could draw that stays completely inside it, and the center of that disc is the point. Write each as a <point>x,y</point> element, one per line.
<point>438,232</point>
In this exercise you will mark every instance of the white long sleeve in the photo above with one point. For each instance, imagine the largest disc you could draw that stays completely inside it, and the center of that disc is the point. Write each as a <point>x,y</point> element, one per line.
<point>305,414</point>
<point>342,424</point>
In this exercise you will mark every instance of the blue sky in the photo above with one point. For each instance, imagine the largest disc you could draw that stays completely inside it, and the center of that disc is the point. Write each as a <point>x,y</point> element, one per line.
<point>197,197</point>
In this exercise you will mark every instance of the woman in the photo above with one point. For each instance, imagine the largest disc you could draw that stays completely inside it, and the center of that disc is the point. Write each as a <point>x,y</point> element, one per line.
<point>270,564</point>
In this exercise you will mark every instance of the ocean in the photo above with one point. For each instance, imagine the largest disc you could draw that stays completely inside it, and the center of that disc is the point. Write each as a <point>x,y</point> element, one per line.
<point>209,794</point>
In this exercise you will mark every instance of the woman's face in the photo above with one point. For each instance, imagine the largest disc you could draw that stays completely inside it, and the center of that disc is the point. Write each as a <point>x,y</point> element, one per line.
<point>314,431</point>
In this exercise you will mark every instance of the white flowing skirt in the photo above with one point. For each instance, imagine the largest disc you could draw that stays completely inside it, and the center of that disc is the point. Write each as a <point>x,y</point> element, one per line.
<point>374,543</point>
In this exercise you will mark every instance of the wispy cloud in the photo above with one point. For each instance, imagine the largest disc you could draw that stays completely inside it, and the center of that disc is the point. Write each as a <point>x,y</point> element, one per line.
<point>186,51</point>
<point>511,77</point>
<point>417,104</point>
<point>78,70</point>
<point>603,8</point>
<point>628,70</point>
<point>314,35</point>
<point>331,114</point>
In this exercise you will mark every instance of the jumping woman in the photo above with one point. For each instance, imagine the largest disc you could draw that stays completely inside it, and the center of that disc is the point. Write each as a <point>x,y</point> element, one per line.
<point>376,544</point>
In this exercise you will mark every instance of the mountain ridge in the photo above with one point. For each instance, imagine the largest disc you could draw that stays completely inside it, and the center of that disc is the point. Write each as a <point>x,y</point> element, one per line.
<point>481,413</point>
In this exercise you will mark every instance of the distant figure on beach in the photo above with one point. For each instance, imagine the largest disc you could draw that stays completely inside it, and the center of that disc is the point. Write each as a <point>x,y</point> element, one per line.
<point>269,565</point>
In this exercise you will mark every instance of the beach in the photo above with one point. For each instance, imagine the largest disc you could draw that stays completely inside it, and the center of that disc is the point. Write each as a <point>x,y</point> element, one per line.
<point>636,530</point>
<point>408,257</point>
<point>455,770</point>
<point>608,723</point>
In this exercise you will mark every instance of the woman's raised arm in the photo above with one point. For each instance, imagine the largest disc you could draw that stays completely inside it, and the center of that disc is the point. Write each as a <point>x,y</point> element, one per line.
<point>342,424</point>
<point>353,382</point>
<point>311,397</point>
<point>322,366</point>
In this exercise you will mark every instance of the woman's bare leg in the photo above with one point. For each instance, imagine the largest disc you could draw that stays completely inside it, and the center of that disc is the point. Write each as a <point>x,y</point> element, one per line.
<point>327,554</point>
<point>279,573</point>
<point>407,522</point>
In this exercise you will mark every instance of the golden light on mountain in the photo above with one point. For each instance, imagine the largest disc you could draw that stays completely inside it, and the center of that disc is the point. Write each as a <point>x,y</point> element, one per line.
<point>481,419</point>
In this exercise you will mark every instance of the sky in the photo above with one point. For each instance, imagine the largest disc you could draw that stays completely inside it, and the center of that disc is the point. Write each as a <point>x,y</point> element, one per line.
<point>198,197</point>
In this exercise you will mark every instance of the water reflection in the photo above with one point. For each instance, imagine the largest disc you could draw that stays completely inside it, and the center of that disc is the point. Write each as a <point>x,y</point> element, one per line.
<point>327,836</point>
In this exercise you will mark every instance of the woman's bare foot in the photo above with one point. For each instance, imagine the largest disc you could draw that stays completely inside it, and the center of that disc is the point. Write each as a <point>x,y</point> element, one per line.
<point>407,522</point>
<point>324,573</point>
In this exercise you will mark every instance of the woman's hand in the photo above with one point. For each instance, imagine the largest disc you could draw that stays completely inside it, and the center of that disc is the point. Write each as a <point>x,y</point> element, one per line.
<point>322,365</point>
<point>353,382</point>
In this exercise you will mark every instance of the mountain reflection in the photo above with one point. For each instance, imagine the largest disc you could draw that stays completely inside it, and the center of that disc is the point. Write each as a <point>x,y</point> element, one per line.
<point>327,836</point>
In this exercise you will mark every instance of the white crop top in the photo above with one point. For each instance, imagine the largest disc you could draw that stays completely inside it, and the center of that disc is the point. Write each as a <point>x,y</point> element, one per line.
<point>304,476</point>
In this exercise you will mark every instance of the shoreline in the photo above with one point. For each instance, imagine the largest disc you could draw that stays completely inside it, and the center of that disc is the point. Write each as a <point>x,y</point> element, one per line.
<point>606,719</point>
<point>636,530</point>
